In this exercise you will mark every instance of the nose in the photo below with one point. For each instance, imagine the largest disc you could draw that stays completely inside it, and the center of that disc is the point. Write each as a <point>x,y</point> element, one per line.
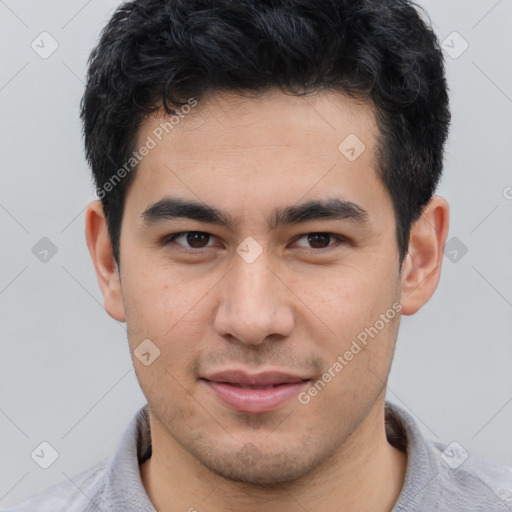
<point>254,303</point>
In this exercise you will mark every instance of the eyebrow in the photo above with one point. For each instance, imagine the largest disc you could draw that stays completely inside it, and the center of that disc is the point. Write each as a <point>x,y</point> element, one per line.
<point>327,209</point>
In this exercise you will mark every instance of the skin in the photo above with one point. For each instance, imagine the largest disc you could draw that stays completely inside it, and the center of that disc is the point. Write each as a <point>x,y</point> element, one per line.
<point>296,308</point>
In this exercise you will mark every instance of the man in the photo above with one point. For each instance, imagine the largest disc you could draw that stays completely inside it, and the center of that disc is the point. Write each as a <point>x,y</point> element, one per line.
<point>266,174</point>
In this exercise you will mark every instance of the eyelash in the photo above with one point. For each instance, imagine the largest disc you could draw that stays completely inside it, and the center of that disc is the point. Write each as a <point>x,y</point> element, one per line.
<point>172,238</point>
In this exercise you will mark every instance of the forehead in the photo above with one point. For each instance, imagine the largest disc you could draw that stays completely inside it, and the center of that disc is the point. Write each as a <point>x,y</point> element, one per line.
<point>271,119</point>
<point>251,151</point>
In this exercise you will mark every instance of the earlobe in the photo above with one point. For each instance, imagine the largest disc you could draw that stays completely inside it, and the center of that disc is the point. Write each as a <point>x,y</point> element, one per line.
<point>421,269</point>
<point>100,249</point>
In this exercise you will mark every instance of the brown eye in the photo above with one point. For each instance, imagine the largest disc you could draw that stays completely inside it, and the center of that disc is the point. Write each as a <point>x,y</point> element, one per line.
<point>191,239</point>
<point>197,239</point>
<point>319,240</point>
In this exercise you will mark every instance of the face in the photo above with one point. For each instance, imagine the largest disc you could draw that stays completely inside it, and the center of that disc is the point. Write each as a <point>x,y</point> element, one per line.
<point>273,302</point>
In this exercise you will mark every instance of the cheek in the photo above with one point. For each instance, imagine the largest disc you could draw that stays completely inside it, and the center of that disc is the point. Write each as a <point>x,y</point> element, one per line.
<point>349,301</point>
<point>357,356</point>
<point>157,298</point>
<point>172,312</point>
<point>348,298</point>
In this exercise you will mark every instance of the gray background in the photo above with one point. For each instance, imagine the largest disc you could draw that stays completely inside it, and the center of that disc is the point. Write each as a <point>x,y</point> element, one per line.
<point>65,372</point>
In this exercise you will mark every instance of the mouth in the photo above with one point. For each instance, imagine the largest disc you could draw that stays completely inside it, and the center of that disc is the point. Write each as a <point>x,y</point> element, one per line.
<point>255,393</point>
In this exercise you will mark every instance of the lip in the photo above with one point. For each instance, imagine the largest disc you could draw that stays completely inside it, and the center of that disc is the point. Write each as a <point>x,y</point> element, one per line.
<point>255,393</point>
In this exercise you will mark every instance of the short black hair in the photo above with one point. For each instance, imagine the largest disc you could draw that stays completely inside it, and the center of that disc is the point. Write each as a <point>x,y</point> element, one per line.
<point>157,54</point>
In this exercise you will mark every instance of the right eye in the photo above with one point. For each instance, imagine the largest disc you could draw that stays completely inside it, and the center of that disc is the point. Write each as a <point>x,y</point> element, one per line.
<point>191,240</point>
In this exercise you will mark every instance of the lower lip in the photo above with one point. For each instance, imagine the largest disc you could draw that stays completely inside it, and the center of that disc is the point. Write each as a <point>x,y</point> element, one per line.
<point>255,400</point>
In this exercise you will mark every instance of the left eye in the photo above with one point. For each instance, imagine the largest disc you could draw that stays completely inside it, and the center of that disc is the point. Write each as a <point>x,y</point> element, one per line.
<point>319,240</point>
<point>191,239</point>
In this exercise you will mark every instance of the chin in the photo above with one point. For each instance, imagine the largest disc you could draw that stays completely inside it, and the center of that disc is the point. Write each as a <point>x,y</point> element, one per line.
<point>254,467</point>
<point>259,475</point>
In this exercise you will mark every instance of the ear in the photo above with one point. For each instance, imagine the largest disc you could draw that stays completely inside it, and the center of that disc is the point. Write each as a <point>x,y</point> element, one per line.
<point>421,268</point>
<point>100,248</point>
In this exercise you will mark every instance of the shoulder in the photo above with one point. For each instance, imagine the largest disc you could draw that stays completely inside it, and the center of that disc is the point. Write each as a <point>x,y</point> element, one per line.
<point>81,492</point>
<point>114,483</point>
<point>445,477</point>
<point>476,483</point>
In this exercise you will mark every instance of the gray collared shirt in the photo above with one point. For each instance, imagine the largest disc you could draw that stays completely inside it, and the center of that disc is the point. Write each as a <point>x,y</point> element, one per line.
<point>439,478</point>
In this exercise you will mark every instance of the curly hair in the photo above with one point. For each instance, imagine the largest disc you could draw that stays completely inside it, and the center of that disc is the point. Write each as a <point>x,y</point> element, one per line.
<point>161,53</point>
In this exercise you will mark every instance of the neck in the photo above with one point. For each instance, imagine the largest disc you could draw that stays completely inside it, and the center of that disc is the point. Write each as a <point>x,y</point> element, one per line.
<point>366,473</point>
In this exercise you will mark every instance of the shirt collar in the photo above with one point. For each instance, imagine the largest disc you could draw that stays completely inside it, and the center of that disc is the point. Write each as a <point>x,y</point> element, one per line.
<point>123,475</point>
<point>420,490</point>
